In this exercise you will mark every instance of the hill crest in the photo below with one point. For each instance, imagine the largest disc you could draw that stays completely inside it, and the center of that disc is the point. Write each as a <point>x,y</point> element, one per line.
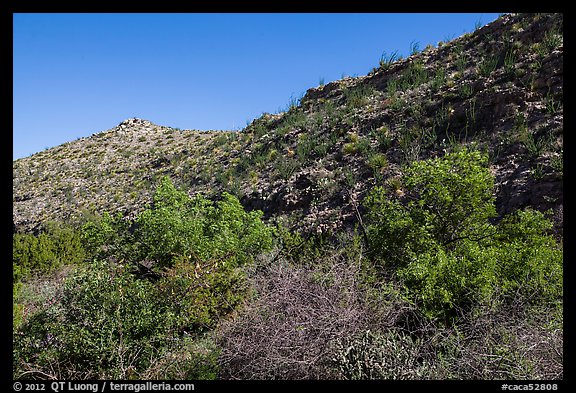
<point>499,89</point>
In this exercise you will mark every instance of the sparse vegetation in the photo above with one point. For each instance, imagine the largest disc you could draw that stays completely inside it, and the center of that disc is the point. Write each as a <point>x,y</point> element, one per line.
<point>414,76</point>
<point>439,79</point>
<point>510,59</point>
<point>358,96</point>
<point>387,59</point>
<point>552,39</point>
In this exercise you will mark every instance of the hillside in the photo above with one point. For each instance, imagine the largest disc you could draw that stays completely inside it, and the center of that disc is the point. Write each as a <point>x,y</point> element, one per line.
<point>499,88</point>
<point>405,224</point>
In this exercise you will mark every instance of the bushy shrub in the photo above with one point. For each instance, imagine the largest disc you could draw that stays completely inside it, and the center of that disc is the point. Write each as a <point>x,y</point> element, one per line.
<point>32,253</point>
<point>107,324</point>
<point>530,260</point>
<point>170,274</point>
<point>440,239</point>
<point>296,313</point>
<point>178,226</point>
<point>108,235</point>
<point>41,254</point>
<point>200,293</point>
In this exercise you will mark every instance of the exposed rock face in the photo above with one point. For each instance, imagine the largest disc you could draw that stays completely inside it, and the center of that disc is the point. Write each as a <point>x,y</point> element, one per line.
<point>499,89</point>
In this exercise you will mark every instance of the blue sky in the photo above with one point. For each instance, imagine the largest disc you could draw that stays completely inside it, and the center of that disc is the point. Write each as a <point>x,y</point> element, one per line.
<point>77,74</point>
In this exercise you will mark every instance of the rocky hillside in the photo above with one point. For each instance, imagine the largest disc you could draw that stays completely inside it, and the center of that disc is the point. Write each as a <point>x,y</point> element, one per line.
<point>499,89</point>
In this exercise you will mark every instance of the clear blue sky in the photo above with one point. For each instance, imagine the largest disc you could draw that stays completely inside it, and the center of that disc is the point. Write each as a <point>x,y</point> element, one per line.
<point>77,74</point>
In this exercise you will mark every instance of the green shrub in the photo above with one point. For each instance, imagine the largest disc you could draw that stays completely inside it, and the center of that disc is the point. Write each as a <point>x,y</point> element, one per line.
<point>530,260</point>
<point>454,195</point>
<point>45,252</point>
<point>200,293</point>
<point>108,236</point>
<point>194,245</point>
<point>17,307</point>
<point>114,321</point>
<point>179,226</point>
<point>377,162</point>
<point>107,324</point>
<point>448,198</point>
<point>32,253</point>
<point>439,238</point>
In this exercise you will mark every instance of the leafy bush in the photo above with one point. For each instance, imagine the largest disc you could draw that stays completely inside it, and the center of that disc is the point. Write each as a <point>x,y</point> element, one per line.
<point>530,260</point>
<point>193,246</point>
<point>107,324</point>
<point>200,293</point>
<point>31,253</point>
<point>106,236</point>
<point>178,226</point>
<point>440,239</point>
